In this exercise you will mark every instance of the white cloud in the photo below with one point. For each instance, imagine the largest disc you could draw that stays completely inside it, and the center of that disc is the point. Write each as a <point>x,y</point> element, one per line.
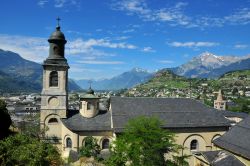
<point>122,37</point>
<point>128,31</point>
<point>42,3</point>
<point>148,49</point>
<point>175,15</point>
<point>76,68</point>
<point>193,44</point>
<point>31,48</point>
<point>240,46</point>
<point>241,16</point>
<point>95,62</point>
<point>166,61</point>
<point>36,49</point>
<point>87,46</point>
<point>60,3</point>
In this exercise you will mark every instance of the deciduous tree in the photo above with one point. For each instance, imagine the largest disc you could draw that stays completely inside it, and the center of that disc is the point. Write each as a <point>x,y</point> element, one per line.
<point>143,143</point>
<point>23,150</point>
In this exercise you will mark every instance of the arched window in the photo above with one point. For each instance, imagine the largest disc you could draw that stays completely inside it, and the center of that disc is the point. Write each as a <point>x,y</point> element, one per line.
<point>53,120</point>
<point>88,105</point>
<point>68,143</point>
<point>105,144</point>
<point>194,145</point>
<point>53,78</point>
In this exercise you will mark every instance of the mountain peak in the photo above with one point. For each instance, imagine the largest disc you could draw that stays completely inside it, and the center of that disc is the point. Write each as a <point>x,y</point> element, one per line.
<point>206,56</point>
<point>136,69</point>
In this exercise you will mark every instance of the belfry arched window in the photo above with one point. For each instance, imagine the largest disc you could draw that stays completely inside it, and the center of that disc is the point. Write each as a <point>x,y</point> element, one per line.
<point>53,79</point>
<point>105,144</point>
<point>68,143</point>
<point>194,145</point>
<point>53,120</point>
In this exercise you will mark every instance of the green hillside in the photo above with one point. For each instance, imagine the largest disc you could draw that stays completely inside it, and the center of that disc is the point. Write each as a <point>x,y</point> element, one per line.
<point>165,79</point>
<point>239,79</point>
<point>167,84</point>
<point>162,81</point>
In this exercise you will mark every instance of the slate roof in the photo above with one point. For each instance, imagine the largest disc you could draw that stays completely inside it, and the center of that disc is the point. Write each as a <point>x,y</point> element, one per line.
<point>237,139</point>
<point>76,122</point>
<point>174,112</point>
<point>219,158</point>
<point>227,113</point>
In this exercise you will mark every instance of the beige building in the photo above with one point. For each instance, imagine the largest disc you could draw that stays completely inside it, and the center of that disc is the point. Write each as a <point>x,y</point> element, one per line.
<point>195,125</point>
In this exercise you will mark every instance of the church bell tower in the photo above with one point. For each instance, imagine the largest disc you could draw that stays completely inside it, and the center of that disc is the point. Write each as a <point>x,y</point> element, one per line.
<point>54,96</point>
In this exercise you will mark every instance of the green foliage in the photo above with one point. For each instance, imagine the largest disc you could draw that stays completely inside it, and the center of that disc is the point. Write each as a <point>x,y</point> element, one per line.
<point>23,150</point>
<point>5,120</point>
<point>242,105</point>
<point>91,148</point>
<point>143,142</point>
<point>31,126</point>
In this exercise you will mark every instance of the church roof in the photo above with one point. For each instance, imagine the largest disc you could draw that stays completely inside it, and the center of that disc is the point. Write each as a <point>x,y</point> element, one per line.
<point>174,112</point>
<point>227,113</point>
<point>220,157</point>
<point>76,122</point>
<point>237,139</point>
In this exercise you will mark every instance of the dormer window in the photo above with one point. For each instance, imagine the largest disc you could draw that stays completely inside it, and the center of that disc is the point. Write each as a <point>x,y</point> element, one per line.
<point>53,79</point>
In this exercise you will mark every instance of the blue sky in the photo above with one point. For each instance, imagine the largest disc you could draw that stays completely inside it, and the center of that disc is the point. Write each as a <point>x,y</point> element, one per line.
<point>108,37</point>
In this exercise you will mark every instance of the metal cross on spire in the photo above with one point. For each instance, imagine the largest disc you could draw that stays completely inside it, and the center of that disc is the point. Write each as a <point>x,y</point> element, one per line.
<point>90,82</point>
<point>58,21</point>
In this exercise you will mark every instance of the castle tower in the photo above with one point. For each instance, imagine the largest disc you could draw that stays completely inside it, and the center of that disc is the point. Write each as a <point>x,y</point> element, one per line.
<point>89,104</point>
<point>220,103</point>
<point>54,96</point>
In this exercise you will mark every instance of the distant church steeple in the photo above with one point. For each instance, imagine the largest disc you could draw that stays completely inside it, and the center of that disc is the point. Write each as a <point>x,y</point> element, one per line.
<point>54,96</point>
<point>220,103</point>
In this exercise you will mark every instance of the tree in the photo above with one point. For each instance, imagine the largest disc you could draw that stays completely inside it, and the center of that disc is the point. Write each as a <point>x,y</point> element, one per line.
<point>143,142</point>
<point>5,120</point>
<point>91,148</point>
<point>23,150</point>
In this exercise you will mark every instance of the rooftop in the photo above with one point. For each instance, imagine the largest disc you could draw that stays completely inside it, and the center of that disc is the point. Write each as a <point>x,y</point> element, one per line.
<point>237,139</point>
<point>174,112</point>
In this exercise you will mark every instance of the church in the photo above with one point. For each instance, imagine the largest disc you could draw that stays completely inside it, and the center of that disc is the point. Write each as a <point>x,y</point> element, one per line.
<point>194,124</point>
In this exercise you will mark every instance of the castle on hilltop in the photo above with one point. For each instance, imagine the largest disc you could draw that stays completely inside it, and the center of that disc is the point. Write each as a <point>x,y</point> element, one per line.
<point>195,125</point>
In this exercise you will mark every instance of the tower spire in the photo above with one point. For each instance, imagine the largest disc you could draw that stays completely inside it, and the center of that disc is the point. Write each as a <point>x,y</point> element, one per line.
<point>58,22</point>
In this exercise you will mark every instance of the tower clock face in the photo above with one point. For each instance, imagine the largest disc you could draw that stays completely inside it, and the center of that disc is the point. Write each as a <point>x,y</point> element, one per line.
<point>53,102</point>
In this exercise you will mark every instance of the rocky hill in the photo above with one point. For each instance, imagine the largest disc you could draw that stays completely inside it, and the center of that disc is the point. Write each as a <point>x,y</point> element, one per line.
<point>18,74</point>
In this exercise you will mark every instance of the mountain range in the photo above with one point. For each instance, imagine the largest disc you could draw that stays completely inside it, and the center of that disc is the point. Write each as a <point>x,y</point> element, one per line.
<point>205,65</point>
<point>208,65</point>
<point>19,75</point>
<point>125,80</point>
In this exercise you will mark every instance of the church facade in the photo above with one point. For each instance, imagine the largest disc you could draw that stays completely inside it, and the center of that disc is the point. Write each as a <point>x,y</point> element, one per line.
<point>194,124</point>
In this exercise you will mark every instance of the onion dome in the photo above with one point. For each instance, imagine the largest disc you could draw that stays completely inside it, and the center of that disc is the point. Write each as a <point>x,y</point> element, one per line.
<point>90,91</point>
<point>57,35</point>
